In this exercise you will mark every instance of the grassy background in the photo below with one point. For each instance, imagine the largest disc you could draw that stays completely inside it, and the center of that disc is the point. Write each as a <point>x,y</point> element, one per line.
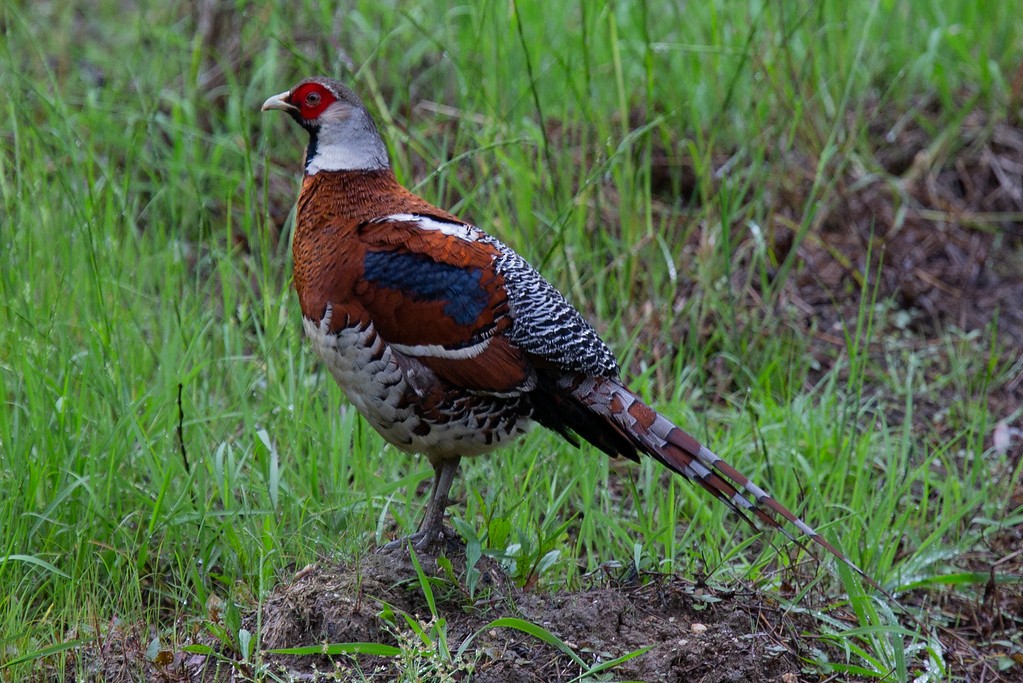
<point>144,276</point>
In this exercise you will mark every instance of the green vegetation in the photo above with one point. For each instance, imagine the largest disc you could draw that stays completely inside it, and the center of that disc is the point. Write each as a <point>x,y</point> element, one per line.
<point>168,440</point>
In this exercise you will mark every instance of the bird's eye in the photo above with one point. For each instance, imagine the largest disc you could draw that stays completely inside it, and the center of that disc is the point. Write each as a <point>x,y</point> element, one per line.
<point>312,99</point>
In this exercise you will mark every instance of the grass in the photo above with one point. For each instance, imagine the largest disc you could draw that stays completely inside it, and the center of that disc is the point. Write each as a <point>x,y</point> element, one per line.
<point>166,437</point>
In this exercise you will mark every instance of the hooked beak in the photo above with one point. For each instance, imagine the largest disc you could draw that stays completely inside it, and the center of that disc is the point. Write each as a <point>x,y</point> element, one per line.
<point>279,102</point>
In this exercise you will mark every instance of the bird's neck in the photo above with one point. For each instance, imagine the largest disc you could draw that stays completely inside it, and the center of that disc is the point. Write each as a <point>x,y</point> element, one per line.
<point>350,145</point>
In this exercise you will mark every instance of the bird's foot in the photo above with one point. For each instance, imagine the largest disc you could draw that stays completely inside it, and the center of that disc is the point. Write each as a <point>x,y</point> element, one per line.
<point>422,540</point>
<point>431,531</point>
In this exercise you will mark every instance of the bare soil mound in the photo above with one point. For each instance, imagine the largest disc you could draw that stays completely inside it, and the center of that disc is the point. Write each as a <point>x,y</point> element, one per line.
<point>694,633</point>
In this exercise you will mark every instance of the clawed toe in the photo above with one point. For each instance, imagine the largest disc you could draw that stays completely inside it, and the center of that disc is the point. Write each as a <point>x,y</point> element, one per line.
<point>422,540</point>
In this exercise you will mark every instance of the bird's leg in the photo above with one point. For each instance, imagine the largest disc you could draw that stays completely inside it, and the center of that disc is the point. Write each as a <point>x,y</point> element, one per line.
<point>432,526</point>
<point>433,519</point>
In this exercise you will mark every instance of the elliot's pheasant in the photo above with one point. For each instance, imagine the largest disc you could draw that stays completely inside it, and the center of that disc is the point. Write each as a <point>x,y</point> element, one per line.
<point>446,340</point>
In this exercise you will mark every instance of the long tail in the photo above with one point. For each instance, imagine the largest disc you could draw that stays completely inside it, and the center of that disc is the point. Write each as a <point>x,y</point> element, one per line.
<point>609,415</point>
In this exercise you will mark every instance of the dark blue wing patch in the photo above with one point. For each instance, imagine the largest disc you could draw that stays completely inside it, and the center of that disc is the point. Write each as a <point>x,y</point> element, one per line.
<point>426,280</point>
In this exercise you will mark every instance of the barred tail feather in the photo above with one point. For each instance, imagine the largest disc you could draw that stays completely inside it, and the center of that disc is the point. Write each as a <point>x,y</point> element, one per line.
<point>739,493</point>
<point>655,435</point>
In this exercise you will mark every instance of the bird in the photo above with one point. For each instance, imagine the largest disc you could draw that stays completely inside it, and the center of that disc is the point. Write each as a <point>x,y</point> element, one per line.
<point>448,342</point>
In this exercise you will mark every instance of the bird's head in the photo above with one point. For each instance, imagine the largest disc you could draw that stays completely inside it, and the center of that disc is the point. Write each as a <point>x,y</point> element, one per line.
<point>342,135</point>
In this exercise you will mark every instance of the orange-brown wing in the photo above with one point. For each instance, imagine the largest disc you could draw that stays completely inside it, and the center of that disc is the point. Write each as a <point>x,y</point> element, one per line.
<point>432,291</point>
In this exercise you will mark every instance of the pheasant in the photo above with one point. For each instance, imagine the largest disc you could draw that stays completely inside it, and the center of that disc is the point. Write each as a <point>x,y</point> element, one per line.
<point>446,341</point>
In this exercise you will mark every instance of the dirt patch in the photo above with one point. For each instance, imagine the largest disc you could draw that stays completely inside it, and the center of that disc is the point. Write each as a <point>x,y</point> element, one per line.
<point>695,633</point>
<point>938,223</point>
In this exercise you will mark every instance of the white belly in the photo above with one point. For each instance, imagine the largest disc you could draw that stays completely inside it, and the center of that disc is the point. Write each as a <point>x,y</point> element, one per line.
<point>367,371</point>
